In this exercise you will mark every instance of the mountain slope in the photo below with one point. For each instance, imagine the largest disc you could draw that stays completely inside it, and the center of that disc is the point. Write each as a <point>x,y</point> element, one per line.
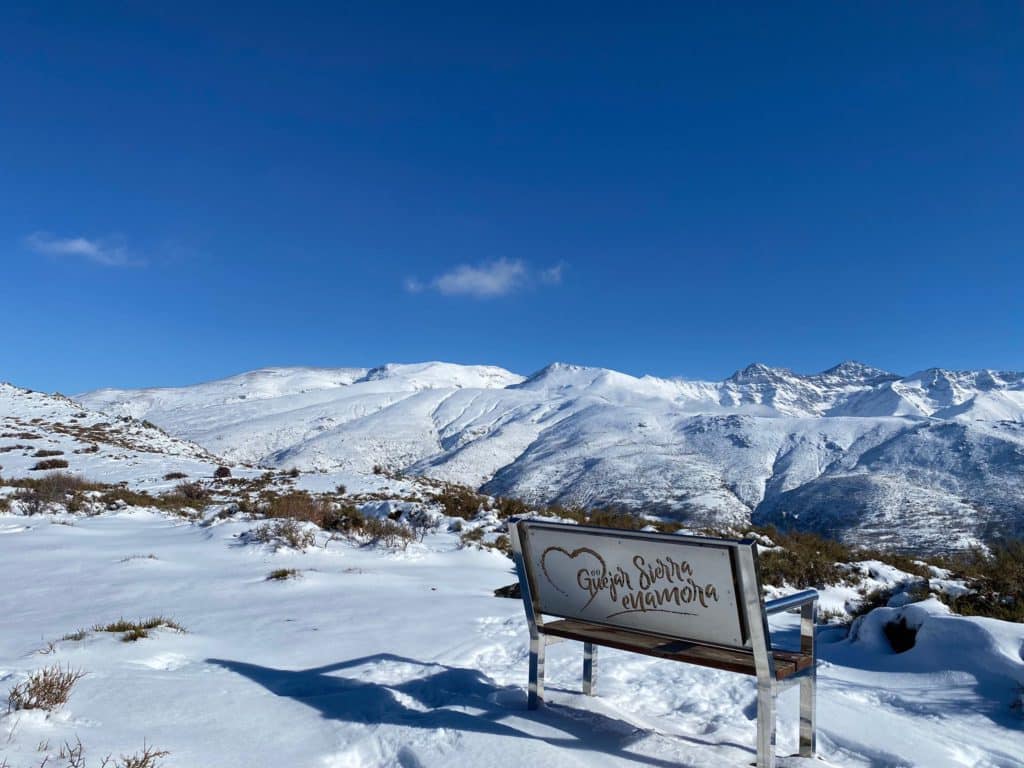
<point>856,451</point>
<point>36,427</point>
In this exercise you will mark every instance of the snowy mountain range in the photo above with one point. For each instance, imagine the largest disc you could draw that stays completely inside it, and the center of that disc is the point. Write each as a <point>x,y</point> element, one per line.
<point>930,460</point>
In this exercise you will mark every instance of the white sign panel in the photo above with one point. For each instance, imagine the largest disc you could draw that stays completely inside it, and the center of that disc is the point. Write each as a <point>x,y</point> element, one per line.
<point>651,583</point>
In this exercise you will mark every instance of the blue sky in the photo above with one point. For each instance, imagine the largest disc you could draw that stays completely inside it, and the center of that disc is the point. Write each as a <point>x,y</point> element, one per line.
<point>675,189</point>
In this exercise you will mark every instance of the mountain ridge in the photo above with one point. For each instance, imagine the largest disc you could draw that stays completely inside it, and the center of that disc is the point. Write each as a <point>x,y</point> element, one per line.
<point>852,451</point>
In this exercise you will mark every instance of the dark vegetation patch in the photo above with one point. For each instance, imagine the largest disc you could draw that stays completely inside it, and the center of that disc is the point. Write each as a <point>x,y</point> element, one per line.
<point>175,476</point>
<point>50,464</point>
<point>43,453</point>
<point>804,560</point>
<point>35,494</point>
<point>996,578</point>
<point>459,501</point>
<point>283,574</point>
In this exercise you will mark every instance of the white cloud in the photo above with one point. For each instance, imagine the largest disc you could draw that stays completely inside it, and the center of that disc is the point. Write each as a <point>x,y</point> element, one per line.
<point>494,279</point>
<point>487,280</point>
<point>109,252</point>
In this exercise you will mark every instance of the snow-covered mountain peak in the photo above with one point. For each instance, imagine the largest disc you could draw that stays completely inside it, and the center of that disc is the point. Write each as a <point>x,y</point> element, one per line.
<point>559,375</point>
<point>855,372</point>
<point>759,373</point>
<point>440,375</point>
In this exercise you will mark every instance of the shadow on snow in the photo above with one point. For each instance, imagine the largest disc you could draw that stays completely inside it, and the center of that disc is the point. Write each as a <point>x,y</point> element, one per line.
<point>456,698</point>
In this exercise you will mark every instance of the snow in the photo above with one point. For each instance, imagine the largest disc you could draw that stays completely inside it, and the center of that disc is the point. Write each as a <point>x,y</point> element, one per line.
<point>767,444</point>
<point>95,445</point>
<point>376,657</point>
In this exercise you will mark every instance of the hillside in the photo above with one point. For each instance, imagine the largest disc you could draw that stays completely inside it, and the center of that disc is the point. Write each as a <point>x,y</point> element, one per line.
<point>36,428</point>
<point>930,460</point>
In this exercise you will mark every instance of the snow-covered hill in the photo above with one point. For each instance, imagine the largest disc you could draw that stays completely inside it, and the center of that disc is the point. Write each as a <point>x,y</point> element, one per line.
<point>929,460</point>
<point>36,428</point>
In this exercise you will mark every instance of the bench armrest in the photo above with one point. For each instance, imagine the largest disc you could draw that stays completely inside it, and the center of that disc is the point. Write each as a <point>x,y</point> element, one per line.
<point>790,601</point>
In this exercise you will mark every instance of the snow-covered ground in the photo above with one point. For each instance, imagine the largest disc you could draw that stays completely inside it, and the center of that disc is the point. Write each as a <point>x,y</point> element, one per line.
<point>377,657</point>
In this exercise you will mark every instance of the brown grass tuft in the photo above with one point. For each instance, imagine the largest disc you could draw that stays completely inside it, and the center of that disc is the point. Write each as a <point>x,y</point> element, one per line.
<point>46,689</point>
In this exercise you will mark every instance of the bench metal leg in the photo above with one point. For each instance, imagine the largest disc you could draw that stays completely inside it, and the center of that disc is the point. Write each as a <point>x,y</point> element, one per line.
<point>766,725</point>
<point>808,684</point>
<point>807,735</point>
<point>536,695</point>
<point>589,668</point>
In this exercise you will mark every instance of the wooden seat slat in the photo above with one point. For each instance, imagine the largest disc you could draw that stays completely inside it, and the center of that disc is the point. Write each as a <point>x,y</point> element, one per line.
<point>787,663</point>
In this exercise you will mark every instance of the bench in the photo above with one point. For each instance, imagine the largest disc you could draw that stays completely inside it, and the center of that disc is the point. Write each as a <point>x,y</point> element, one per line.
<point>684,598</point>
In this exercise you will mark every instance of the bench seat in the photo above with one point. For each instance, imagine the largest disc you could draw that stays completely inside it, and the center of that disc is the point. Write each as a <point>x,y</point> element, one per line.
<point>787,663</point>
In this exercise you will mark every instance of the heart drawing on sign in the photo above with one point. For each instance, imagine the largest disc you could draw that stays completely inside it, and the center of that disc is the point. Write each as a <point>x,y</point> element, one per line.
<point>562,573</point>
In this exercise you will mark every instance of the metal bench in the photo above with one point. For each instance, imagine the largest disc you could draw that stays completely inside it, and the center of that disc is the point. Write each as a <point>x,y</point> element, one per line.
<point>682,598</point>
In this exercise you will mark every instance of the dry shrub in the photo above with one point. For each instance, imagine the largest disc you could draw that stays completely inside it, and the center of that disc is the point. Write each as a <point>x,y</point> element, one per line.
<point>381,530</point>
<point>221,472</point>
<point>73,756</point>
<point>997,580</point>
<point>55,488</point>
<point>300,505</point>
<point>183,497</point>
<point>615,518</point>
<point>175,476</point>
<point>44,453</point>
<point>472,537</point>
<point>146,759</point>
<point>194,491</point>
<point>804,560</point>
<point>285,532</point>
<point>50,464</point>
<point>46,689</point>
<point>459,501</point>
<point>604,517</point>
<point>131,631</point>
<point>507,507</point>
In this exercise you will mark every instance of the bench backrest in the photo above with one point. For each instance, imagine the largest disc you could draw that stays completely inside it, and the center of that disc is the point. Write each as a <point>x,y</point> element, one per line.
<point>681,587</point>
